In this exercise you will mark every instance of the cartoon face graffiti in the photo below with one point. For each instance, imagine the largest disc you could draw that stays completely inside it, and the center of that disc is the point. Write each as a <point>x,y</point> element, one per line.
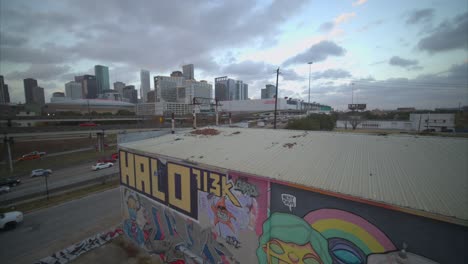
<point>282,252</point>
<point>222,215</point>
<point>289,239</point>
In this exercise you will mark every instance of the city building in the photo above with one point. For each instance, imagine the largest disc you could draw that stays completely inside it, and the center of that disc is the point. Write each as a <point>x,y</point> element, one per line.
<point>227,89</point>
<point>264,105</point>
<point>253,196</point>
<point>193,89</point>
<point>29,85</point>
<point>166,87</point>
<point>130,93</point>
<point>151,95</point>
<point>268,92</point>
<point>188,72</point>
<point>85,106</point>
<point>436,122</point>
<point>74,90</point>
<point>177,74</point>
<point>144,85</point>
<point>241,92</point>
<point>88,85</point>
<point>118,86</point>
<point>102,78</point>
<point>112,95</point>
<point>4,94</point>
<point>57,97</point>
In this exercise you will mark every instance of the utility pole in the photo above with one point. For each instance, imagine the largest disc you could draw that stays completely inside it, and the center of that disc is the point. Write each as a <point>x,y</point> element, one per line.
<point>8,141</point>
<point>276,98</point>
<point>310,64</point>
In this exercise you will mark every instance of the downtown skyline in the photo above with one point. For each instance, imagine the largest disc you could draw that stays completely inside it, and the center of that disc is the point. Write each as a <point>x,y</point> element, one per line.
<point>396,54</point>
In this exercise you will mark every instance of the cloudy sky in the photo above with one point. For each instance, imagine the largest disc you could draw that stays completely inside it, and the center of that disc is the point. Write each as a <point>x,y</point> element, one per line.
<point>392,53</point>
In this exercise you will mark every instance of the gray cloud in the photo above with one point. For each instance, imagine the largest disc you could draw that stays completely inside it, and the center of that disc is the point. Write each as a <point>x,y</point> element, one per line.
<point>397,61</point>
<point>252,70</point>
<point>420,15</point>
<point>44,72</point>
<point>449,35</point>
<point>8,39</point>
<point>44,55</point>
<point>331,74</point>
<point>317,52</point>
<point>326,27</point>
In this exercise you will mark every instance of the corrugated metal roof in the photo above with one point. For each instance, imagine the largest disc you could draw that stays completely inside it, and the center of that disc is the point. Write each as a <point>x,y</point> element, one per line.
<point>424,173</point>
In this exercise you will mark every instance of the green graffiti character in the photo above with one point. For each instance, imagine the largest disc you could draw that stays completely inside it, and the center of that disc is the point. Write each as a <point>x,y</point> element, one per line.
<point>289,239</point>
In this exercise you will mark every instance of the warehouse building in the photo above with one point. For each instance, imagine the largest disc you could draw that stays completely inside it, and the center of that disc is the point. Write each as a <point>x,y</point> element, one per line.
<point>85,106</point>
<point>233,195</point>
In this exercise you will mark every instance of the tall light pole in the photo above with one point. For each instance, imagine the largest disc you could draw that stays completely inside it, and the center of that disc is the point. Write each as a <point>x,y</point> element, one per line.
<point>308,101</point>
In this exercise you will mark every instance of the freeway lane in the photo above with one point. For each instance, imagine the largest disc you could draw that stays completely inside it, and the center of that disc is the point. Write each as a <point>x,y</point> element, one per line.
<point>46,231</point>
<point>58,178</point>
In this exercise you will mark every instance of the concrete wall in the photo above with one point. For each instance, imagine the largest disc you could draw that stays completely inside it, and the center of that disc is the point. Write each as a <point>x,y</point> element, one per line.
<point>187,213</point>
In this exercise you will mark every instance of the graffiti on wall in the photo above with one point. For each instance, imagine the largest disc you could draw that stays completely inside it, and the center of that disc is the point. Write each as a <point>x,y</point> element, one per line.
<point>175,238</point>
<point>325,236</point>
<point>288,200</point>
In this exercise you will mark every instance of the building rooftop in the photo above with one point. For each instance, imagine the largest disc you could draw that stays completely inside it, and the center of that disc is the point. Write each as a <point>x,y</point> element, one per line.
<point>426,176</point>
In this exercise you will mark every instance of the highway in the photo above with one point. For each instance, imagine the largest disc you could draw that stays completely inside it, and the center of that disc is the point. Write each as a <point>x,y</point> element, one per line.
<point>46,231</point>
<point>58,178</point>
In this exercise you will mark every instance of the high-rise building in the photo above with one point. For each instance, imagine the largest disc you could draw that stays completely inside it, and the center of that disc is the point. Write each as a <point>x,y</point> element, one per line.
<point>57,97</point>
<point>166,87</point>
<point>188,72</point>
<point>130,93</point>
<point>151,95</point>
<point>4,94</point>
<point>241,92</point>
<point>193,89</point>
<point>102,78</point>
<point>118,86</point>
<point>29,85</point>
<point>268,92</point>
<point>225,89</point>
<point>73,90</point>
<point>144,84</point>
<point>88,85</point>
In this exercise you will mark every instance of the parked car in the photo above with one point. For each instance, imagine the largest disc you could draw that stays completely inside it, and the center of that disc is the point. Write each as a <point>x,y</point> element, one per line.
<point>101,165</point>
<point>4,189</point>
<point>115,156</point>
<point>10,182</point>
<point>29,157</point>
<point>111,160</point>
<point>40,172</point>
<point>10,220</point>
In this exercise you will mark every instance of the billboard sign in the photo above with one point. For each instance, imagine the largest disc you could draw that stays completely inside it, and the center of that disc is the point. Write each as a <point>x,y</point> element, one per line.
<point>357,106</point>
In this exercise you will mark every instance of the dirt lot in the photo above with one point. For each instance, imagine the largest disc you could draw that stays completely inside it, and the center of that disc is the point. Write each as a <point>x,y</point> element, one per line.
<point>118,251</point>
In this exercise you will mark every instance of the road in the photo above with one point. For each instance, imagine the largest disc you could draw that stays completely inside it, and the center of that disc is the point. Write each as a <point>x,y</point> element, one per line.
<point>58,178</point>
<point>49,230</point>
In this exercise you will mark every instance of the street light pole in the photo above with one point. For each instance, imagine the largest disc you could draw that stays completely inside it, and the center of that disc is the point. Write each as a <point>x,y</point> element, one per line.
<point>276,98</point>
<point>308,101</point>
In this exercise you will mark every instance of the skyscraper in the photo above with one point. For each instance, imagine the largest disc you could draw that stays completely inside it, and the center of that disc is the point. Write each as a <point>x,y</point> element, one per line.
<point>73,90</point>
<point>4,94</point>
<point>144,85</point>
<point>102,78</point>
<point>29,85</point>
<point>118,86</point>
<point>188,72</point>
<point>130,93</point>
<point>227,89</point>
<point>268,92</point>
<point>88,86</point>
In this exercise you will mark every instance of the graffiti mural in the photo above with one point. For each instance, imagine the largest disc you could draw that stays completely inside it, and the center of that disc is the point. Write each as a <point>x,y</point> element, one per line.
<point>326,229</point>
<point>136,225</point>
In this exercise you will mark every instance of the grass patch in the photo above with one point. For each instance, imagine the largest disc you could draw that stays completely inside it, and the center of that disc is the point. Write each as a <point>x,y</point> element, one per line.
<point>65,197</point>
<point>55,162</point>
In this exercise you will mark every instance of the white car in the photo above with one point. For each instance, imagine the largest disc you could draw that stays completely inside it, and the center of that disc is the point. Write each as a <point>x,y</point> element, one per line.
<point>102,165</point>
<point>10,220</point>
<point>4,189</point>
<point>40,172</point>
